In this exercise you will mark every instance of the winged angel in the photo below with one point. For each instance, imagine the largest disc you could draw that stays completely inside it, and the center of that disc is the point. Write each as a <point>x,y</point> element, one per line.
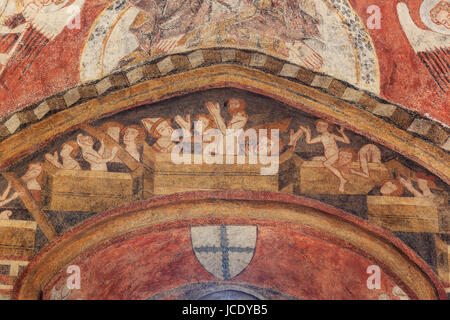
<point>432,46</point>
<point>26,26</point>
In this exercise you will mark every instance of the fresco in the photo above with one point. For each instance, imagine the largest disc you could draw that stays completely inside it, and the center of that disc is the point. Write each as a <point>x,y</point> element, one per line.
<point>216,149</point>
<point>128,157</point>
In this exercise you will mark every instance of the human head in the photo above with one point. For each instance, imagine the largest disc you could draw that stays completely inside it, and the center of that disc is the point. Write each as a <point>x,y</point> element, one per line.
<point>84,141</point>
<point>69,149</point>
<point>158,127</point>
<point>34,172</point>
<point>391,188</point>
<point>440,14</point>
<point>133,134</point>
<point>112,129</point>
<point>346,157</point>
<point>235,106</point>
<point>425,180</point>
<point>322,126</point>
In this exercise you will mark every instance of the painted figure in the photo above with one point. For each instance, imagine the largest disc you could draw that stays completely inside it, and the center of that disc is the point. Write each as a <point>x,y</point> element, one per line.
<point>4,199</point>
<point>369,153</point>
<point>113,130</point>
<point>432,47</point>
<point>27,26</point>
<point>331,149</point>
<point>96,159</point>
<point>69,150</point>
<point>133,139</point>
<point>32,179</point>
<point>236,109</point>
<point>161,129</point>
<point>424,182</point>
<point>160,27</point>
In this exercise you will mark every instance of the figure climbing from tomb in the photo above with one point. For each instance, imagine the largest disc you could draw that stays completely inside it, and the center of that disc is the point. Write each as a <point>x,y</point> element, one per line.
<point>388,188</point>
<point>133,139</point>
<point>161,129</point>
<point>236,109</point>
<point>113,130</point>
<point>96,159</point>
<point>369,153</point>
<point>32,179</point>
<point>331,150</point>
<point>424,182</point>
<point>69,150</point>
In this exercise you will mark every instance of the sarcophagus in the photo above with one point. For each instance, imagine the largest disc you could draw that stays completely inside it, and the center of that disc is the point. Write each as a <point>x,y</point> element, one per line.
<point>316,179</point>
<point>163,176</point>
<point>88,191</point>
<point>404,213</point>
<point>17,238</point>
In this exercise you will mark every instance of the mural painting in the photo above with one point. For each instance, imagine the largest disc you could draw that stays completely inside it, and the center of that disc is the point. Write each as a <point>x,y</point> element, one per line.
<point>223,150</point>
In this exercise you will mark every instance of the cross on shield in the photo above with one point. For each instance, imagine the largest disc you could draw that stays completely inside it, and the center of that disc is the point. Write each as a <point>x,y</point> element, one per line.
<point>225,251</point>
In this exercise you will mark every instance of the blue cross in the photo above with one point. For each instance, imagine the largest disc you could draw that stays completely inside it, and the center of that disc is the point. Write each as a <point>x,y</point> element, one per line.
<point>225,249</point>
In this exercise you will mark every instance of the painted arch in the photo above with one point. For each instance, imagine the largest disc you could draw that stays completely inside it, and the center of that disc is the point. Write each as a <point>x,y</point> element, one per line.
<point>88,178</point>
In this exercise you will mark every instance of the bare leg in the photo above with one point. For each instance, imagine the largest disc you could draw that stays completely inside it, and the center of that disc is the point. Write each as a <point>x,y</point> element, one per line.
<point>329,165</point>
<point>364,165</point>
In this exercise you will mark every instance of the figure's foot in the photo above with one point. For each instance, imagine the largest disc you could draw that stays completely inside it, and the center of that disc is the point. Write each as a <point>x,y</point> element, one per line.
<point>342,186</point>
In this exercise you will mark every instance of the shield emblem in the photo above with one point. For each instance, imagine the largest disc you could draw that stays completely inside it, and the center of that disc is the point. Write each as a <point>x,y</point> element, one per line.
<point>225,251</point>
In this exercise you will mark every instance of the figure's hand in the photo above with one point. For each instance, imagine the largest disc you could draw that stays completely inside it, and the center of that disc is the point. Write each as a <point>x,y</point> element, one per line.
<point>213,107</point>
<point>184,124</point>
<point>306,130</point>
<point>405,183</point>
<point>17,194</point>
<point>306,54</point>
<point>52,157</point>
<point>294,136</point>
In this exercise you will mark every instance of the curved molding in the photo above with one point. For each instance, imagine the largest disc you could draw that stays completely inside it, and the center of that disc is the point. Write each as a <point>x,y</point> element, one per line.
<point>395,257</point>
<point>417,138</point>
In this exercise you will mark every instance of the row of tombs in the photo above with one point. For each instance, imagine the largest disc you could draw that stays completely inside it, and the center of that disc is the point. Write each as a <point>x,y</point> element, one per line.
<point>103,166</point>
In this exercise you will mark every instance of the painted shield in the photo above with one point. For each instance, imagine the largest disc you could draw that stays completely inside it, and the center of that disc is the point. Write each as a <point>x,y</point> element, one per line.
<point>225,251</point>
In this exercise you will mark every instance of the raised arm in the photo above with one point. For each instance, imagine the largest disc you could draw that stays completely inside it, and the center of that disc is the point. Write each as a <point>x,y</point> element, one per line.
<point>408,185</point>
<point>214,110</point>
<point>53,159</point>
<point>14,196</point>
<point>308,140</point>
<point>344,138</point>
<point>94,157</point>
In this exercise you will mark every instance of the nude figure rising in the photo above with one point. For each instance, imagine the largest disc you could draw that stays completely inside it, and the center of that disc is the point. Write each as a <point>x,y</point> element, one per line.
<point>331,149</point>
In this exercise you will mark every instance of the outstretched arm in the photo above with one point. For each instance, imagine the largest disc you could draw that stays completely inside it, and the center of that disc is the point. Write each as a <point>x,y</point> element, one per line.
<point>14,196</point>
<point>308,140</point>
<point>408,185</point>
<point>53,159</point>
<point>344,137</point>
<point>214,110</point>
